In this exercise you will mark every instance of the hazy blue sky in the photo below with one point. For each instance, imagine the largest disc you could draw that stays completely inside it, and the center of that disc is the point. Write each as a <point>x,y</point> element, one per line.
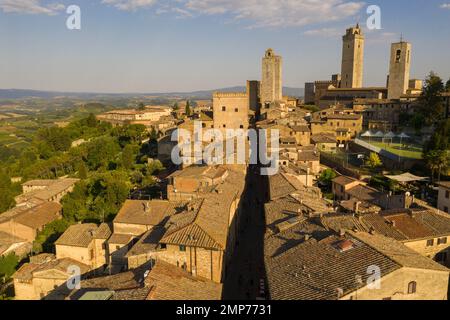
<point>184,45</point>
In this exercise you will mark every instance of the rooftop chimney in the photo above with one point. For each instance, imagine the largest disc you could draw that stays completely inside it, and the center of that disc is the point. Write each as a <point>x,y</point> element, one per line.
<point>146,206</point>
<point>356,206</point>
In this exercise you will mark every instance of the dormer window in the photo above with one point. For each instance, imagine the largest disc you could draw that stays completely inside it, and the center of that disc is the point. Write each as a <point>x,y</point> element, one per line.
<point>412,287</point>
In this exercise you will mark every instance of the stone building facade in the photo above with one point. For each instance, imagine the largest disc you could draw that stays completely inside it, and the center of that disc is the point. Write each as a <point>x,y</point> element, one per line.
<point>352,58</point>
<point>231,111</point>
<point>271,81</point>
<point>399,70</point>
<point>444,197</point>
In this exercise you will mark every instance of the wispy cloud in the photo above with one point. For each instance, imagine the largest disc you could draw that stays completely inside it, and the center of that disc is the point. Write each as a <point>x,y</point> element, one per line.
<point>276,13</point>
<point>30,7</point>
<point>130,5</point>
<point>324,32</point>
<point>252,13</point>
<point>445,6</point>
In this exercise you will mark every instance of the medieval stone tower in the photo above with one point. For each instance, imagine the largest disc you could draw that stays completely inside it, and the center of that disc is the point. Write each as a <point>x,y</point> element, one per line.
<point>271,82</point>
<point>352,58</point>
<point>399,69</point>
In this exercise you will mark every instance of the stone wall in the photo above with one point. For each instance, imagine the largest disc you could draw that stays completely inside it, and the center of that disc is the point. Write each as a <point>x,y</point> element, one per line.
<point>230,111</point>
<point>430,285</point>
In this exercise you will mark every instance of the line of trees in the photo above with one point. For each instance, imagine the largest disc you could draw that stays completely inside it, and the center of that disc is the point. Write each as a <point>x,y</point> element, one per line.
<point>432,111</point>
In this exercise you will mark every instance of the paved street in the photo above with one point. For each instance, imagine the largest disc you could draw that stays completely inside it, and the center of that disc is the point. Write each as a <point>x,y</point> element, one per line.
<point>247,268</point>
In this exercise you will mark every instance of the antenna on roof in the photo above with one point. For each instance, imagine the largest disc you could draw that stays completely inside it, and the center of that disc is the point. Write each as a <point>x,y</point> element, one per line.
<point>401,37</point>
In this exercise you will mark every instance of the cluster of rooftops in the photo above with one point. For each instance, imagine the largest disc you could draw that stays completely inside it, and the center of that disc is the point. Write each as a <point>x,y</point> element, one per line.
<point>313,252</point>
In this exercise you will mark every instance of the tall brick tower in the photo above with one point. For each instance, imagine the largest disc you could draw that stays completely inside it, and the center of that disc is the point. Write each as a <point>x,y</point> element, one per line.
<point>271,82</point>
<point>352,58</point>
<point>399,69</point>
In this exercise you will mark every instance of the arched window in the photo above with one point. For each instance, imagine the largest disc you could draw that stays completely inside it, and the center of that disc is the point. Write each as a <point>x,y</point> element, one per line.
<point>398,57</point>
<point>412,287</point>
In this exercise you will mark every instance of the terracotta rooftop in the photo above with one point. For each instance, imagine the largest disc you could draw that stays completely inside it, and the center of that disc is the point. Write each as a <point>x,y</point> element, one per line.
<point>344,116</point>
<point>206,223</point>
<point>52,188</point>
<point>316,269</point>
<point>309,156</point>
<point>309,261</point>
<point>80,235</point>
<point>39,183</point>
<point>168,282</point>
<point>402,225</point>
<point>163,282</point>
<point>303,128</point>
<point>365,193</point>
<point>7,240</point>
<point>152,213</point>
<point>198,171</point>
<point>149,242</point>
<point>363,206</point>
<point>281,186</point>
<point>119,238</point>
<point>30,270</point>
<point>444,184</point>
<point>104,231</point>
<point>343,180</point>
<point>34,217</point>
<point>398,252</point>
<point>323,138</point>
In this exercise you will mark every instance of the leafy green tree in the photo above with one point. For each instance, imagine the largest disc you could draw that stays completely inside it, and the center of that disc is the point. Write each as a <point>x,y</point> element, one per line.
<point>440,140</point>
<point>101,152</point>
<point>431,101</point>
<point>188,109</point>
<point>137,177</point>
<point>127,134</point>
<point>141,106</point>
<point>437,160</point>
<point>148,181</point>
<point>8,154</point>
<point>6,195</point>
<point>82,170</point>
<point>383,183</point>
<point>153,134</point>
<point>46,238</point>
<point>97,199</point>
<point>175,106</point>
<point>91,121</point>
<point>447,86</point>
<point>128,157</point>
<point>374,161</point>
<point>418,121</point>
<point>154,167</point>
<point>327,176</point>
<point>8,265</point>
<point>27,158</point>
<point>54,139</point>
